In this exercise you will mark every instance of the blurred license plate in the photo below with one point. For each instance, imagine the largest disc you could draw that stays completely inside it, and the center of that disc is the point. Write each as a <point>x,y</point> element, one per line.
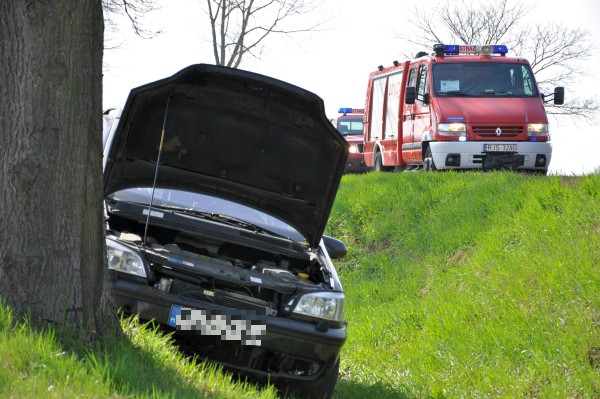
<point>238,325</point>
<point>499,148</point>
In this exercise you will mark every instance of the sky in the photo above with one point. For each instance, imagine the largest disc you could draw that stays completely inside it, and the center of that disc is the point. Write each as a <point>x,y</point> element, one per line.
<point>335,61</point>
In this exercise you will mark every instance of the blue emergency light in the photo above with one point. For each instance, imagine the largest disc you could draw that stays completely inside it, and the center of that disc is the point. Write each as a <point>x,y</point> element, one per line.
<point>351,110</point>
<point>499,49</point>
<point>456,49</point>
<point>451,49</point>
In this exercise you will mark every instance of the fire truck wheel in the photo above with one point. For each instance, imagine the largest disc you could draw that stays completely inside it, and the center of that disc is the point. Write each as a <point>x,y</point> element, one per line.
<point>378,163</point>
<point>428,163</point>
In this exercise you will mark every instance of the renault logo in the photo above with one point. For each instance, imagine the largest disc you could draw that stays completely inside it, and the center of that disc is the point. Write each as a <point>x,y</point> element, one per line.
<point>498,131</point>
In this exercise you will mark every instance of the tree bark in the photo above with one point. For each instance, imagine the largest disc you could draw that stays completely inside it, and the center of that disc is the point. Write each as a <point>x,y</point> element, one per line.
<point>52,255</point>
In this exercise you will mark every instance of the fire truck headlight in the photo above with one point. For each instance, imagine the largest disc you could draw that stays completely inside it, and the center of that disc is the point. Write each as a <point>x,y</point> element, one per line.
<point>452,129</point>
<point>537,129</point>
<point>354,149</point>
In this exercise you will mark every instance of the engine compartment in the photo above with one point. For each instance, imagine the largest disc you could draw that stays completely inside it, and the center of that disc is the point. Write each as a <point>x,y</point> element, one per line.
<point>239,272</point>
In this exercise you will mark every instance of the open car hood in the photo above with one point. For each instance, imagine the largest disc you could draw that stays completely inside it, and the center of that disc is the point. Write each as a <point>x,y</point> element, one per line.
<point>233,134</point>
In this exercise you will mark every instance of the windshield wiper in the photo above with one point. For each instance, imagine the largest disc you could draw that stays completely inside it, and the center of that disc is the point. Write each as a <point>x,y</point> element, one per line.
<point>207,215</point>
<point>233,221</point>
<point>457,93</point>
<point>217,217</point>
<point>498,92</point>
<point>242,223</point>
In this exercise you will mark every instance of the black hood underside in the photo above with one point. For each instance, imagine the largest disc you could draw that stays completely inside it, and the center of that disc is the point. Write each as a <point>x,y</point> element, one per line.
<point>233,134</point>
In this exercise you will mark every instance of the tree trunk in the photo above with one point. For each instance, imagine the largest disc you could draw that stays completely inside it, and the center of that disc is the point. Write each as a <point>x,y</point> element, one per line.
<point>52,259</point>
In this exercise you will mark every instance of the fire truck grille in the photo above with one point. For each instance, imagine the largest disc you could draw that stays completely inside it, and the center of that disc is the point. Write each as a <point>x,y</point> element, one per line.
<point>492,131</point>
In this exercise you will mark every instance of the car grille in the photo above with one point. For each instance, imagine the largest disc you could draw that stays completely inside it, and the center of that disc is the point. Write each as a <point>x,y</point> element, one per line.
<point>222,297</point>
<point>233,300</point>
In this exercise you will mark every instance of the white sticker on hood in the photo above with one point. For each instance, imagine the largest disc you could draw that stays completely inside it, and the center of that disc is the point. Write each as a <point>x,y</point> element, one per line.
<point>155,214</point>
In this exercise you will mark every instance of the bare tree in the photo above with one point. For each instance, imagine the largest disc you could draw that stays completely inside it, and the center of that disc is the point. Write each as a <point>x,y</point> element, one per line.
<point>465,23</point>
<point>134,10</point>
<point>554,51</point>
<point>239,27</point>
<point>52,252</point>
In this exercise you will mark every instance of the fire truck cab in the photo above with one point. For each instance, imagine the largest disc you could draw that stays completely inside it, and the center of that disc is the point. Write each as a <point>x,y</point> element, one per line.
<point>461,107</point>
<point>350,124</point>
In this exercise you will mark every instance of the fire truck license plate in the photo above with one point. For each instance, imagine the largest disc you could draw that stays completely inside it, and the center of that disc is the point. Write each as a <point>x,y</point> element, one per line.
<point>499,148</point>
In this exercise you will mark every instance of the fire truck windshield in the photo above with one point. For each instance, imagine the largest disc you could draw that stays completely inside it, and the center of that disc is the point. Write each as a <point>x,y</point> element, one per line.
<point>483,79</point>
<point>350,125</point>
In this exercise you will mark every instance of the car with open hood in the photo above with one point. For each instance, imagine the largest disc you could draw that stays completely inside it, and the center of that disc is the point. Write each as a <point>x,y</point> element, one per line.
<point>218,184</point>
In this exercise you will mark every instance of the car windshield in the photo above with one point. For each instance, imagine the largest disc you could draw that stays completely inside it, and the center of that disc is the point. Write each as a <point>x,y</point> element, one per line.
<point>205,203</point>
<point>482,79</point>
<point>350,125</point>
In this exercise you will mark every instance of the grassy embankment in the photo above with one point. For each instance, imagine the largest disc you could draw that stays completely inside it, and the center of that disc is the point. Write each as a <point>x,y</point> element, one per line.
<point>458,285</point>
<point>470,285</point>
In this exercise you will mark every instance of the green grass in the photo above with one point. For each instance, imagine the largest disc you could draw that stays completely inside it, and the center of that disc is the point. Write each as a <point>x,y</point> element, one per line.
<point>458,285</point>
<point>142,363</point>
<point>470,285</point>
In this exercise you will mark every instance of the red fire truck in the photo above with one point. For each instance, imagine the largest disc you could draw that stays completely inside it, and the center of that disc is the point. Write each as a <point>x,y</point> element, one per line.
<point>462,107</point>
<point>350,125</point>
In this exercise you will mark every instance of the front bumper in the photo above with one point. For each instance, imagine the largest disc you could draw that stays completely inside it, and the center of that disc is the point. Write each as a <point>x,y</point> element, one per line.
<point>472,156</point>
<point>356,164</point>
<point>292,354</point>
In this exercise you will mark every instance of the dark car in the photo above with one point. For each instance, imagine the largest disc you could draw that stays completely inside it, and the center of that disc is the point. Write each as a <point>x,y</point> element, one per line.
<point>218,184</point>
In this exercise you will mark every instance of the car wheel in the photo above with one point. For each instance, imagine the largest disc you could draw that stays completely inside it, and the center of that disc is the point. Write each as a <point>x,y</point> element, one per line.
<point>428,163</point>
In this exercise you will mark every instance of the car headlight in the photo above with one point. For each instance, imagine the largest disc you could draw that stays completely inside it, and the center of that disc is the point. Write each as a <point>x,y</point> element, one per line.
<point>537,129</point>
<point>124,259</point>
<point>321,305</point>
<point>452,129</point>
<point>353,149</point>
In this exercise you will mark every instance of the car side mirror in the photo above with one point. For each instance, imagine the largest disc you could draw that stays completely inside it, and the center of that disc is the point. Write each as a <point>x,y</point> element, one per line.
<point>335,247</point>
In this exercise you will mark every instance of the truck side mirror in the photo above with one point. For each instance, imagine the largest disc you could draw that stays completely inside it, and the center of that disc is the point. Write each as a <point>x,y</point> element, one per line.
<point>559,95</point>
<point>410,95</point>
